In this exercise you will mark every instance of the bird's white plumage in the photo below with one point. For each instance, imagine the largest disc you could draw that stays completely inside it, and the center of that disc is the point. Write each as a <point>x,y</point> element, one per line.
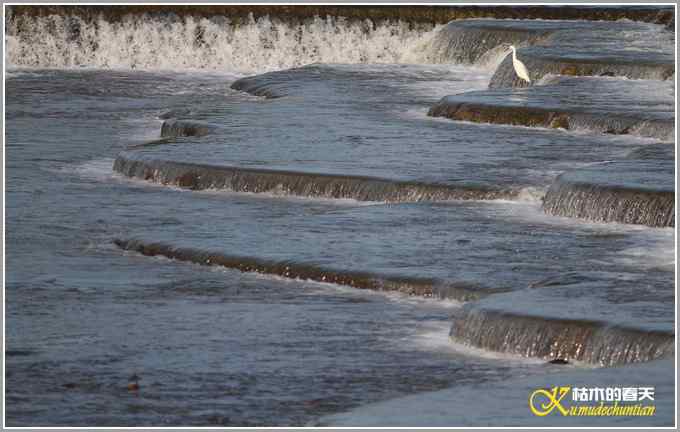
<point>520,69</point>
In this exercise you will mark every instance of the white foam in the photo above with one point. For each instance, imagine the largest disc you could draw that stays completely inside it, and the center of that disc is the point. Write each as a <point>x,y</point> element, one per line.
<point>282,195</point>
<point>531,194</point>
<point>346,290</point>
<point>657,251</point>
<point>391,296</point>
<point>98,169</point>
<point>259,45</point>
<point>434,336</point>
<point>459,79</point>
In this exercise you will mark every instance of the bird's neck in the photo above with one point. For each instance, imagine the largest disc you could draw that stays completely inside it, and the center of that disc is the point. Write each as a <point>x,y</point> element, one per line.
<point>514,56</point>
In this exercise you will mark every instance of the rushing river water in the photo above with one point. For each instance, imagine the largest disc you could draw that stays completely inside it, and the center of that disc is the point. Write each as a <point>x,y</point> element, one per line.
<point>355,233</point>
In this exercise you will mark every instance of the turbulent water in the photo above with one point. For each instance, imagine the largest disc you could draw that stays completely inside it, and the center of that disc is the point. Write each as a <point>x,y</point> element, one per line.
<point>258,45</point>
<point>260,220</point>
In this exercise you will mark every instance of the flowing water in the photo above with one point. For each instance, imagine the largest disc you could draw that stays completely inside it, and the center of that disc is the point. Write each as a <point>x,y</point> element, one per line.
<point>262,223</point>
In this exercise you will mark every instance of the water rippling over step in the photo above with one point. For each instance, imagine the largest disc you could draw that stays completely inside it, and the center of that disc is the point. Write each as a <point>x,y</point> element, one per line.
<point>579,48</point>
<point>636,192</point>
<point>595,104</point>
<point>362,280</point>
<point>549,338</point>
<point>541,66</point>
<point>361,188</point>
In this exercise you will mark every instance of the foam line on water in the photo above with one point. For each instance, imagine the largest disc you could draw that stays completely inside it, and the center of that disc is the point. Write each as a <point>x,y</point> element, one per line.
<point>434,336</point>
<point>391,296</point>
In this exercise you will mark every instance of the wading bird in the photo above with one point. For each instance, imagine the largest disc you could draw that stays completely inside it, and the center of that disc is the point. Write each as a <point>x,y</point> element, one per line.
<point>520,69</point>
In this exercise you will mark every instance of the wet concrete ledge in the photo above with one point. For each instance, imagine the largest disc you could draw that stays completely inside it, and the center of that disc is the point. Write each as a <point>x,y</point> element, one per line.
<point>629,191</point>
<point>254,180</point>
<point>185,128</point>
<point>551,338</point>
<point>413,14</point>
<point>450,108</point>
<point>281,83</point>
<point>264,85</point>
<point>361,280</point>
<point>542,65</point>
<point>611,123</point>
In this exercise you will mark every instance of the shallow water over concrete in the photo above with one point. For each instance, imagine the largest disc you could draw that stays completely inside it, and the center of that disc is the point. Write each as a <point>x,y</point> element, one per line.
<point>211,230</point>
<point>592,104</point>
<point>622,49</point>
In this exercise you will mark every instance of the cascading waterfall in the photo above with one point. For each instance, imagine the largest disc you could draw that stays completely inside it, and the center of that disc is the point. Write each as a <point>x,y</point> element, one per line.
<point>216,43</point>
<point>153,41</point>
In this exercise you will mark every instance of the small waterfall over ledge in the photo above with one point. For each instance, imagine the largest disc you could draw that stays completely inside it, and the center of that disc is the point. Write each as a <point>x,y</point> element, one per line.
<point>606,122</point>
<point>237,179</point>
<point>634,192</point>
<point>548,338</point>
<point>215,43</point>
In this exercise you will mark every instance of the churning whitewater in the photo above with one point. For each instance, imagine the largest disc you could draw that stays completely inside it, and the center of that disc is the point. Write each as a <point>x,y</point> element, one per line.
<point>280,217</point>
<point>258,45</point>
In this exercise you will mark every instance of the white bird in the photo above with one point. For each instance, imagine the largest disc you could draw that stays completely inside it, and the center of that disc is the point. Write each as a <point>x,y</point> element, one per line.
<point>520,69</point>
